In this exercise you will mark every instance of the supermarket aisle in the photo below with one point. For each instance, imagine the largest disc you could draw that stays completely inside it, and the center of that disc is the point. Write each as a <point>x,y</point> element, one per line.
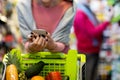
<point>110,50</point>
<point>109,60</point>
<point>109,64</point>
<point>9,31</point>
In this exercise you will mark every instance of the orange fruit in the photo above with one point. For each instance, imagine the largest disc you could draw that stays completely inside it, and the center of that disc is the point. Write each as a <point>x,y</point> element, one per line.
<point>37,78</point>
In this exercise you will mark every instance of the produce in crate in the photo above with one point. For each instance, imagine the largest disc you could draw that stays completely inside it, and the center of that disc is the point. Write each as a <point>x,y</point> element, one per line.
<point>22,76</point>
<point>55,75</point>
<point>13,66</point>
<point>66,78</point>
<point>34,69</point>
<point>37,78</point>
<point>61,64</point>
<point>11,72</point>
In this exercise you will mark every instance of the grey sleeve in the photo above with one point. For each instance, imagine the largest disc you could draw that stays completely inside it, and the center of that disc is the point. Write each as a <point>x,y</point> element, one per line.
<point>23,26</point>
<point>62,31</point>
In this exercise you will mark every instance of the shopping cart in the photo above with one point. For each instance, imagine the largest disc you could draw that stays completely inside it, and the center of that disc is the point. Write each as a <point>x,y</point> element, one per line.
<point>67,64</point>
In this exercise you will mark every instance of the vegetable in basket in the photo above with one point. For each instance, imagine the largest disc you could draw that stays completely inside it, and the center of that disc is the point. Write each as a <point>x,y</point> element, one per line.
<point>66,77</point>
<point>34,69</point>
<point>55,75</point>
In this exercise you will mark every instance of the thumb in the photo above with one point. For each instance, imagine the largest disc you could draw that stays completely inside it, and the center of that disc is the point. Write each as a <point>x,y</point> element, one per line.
<point>48,35</point>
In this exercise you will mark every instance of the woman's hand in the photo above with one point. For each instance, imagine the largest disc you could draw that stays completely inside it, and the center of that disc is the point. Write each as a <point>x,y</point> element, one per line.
<point>36,42</point>
<point>51,44</point>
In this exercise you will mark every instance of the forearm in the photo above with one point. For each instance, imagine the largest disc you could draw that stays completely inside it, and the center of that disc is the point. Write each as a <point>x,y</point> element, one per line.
<point>59,47</point>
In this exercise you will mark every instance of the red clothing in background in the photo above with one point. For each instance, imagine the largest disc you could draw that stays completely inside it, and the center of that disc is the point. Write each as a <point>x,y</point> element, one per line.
<point>86,33</point>
<point>9,38</point>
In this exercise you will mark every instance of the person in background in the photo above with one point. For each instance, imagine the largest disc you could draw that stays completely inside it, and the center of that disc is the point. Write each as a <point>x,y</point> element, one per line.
<point>7,39</point>
<point>8,8</point>
<point>54,16</point>
<point>88,34</point>
<point>0,6</point>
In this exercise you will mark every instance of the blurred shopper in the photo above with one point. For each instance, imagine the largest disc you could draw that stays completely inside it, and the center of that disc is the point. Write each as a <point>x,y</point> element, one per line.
<point>55,16</point>
<point>7,39</point>
<point>0,6</point>
<point>88,33</point>
<point>8,8</point>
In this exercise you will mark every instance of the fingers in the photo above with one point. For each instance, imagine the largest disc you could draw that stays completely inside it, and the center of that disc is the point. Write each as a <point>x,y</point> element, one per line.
<point>44,43</point>
<point>48,35</point>
<point>38,44</point>
<point>31,37</point>
<point>41,42</point>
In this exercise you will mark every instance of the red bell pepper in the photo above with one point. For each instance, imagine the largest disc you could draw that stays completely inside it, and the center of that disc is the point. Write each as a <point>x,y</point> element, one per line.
<point>54,76</point>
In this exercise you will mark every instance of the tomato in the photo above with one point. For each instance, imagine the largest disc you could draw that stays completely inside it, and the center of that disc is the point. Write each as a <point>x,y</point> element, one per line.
<point>47,77</point>
<point>54,76</point>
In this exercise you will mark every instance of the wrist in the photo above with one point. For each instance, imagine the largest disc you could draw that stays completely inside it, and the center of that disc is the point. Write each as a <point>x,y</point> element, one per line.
<point>59,47</point>
<point>26,46</point>
<point>53,48</point>
<point>28,49</point>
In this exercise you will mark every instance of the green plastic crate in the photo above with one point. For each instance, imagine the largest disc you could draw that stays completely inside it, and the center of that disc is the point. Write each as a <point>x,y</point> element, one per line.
<point>67,64</point>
